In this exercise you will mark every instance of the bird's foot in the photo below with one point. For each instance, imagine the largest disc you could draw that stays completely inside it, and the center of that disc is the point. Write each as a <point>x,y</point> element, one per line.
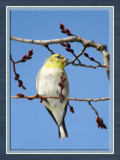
<point>41,98</point>
<point>62,98</point>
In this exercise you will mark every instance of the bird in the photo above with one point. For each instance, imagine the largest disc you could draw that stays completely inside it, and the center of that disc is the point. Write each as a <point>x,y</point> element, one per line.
<point>48,84</point>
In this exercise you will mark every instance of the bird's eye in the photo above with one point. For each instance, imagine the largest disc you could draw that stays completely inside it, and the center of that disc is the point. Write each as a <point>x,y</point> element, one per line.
<point>58,56</point>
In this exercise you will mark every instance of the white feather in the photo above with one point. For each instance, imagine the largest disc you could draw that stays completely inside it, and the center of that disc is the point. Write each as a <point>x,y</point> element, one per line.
<point>47,85</point>
<point>62,132</point>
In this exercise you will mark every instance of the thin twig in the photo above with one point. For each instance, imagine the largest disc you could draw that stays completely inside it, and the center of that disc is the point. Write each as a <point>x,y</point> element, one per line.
<point>89,102</point>
<point>49,49</point>
<point>24,59</point>
<point>89,66</point>
<point>98,119</point>
<point>17,76</point>
<point>76,57</point>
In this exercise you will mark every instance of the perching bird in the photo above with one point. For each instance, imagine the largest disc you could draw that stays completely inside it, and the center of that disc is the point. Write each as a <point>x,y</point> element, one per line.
<point>47,84</point>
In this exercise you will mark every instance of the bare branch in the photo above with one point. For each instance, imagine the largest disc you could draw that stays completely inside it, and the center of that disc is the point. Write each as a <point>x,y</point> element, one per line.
<point>58,97</point>
<point>86,43</point>
<point>79,39</point>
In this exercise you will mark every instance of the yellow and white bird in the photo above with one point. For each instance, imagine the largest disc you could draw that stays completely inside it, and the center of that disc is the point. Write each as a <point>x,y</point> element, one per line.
<point>47,82</point>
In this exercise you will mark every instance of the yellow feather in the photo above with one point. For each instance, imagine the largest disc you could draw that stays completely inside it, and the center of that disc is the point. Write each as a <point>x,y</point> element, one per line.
<point>56,65</point>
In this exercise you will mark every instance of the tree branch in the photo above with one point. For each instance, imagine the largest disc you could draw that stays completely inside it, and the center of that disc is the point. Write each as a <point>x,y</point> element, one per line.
<point>79,39</point>
<point>86,43</point>
<point>58,97</point>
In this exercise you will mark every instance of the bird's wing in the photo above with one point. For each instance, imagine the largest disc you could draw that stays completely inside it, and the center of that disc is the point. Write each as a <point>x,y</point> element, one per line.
<point>51,115</point>
<point>64,113</point>
<point>54,117</point>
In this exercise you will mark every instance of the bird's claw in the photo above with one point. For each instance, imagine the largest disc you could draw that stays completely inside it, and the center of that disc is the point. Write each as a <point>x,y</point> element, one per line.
<point>62,97</point>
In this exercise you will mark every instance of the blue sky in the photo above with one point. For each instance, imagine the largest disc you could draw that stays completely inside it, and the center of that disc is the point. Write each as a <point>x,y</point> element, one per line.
<point>31,125</point>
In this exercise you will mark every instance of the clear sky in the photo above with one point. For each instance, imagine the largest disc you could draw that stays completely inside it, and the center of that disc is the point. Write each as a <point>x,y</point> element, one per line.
<point>31,125</point>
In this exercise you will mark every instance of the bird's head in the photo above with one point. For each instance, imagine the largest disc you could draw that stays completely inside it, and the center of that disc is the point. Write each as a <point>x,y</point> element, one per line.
<point>56,61</point>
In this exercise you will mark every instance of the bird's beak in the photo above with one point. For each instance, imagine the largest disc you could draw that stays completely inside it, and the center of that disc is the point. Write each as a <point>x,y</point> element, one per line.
<point>65,60</point>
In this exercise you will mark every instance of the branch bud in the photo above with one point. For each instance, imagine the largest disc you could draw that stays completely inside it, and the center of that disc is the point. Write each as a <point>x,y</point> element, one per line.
<point>68,31</point>
<point>17,76</point>
<point>23,60</point>
<point>62,26</point>
<point>20,83</point>
<point>71,109</point>
<point>23,87</point>
<point>59,84</point>
<point>30,53</point>
<point>20,95</point>
<point>24,57</point>
<point>92,59</point>
<point>86,55</point>
<point>98,125</point>
<point>28,58</point>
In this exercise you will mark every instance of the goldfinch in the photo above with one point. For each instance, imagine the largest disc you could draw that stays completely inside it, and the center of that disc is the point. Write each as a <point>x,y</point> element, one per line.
<point>47,84</point>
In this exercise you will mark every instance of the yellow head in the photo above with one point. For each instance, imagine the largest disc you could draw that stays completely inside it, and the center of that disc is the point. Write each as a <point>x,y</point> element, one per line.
<point>56,61</point>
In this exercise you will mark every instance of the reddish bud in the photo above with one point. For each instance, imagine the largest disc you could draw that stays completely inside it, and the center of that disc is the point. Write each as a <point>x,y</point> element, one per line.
<point>30,53</point>
<point>69,34</point>
<point>63,44</point>
<point>17,76</point>
<point>23,60</point>
<point>86,55</point>
<point>20,95</point>
<point>28,58</point>
<point>68,31</point>
<point>20,83</point>
<point>68,45</point>
<point>62,26</point>
<point>92,59</point>
<point>100,121</point>
<point>104,126</point>
<point>23,87</point>
<point>97,119</point>
<point>63,31</point>
<point>98,125</point>
<point>24,57</point>
<point>37,96</point>
<point>62,86</point>
<point>71,109</point>
<point>30,98</point>
<point>59,84</point>
<point>71,50</point>
<point>68,49</point>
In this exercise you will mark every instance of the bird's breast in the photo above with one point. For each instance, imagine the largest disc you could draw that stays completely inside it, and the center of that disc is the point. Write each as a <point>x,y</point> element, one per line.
<point>48,80</point>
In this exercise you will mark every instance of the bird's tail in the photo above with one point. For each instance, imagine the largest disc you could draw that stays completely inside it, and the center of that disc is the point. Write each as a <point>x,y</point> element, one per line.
<point>62,131</point>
